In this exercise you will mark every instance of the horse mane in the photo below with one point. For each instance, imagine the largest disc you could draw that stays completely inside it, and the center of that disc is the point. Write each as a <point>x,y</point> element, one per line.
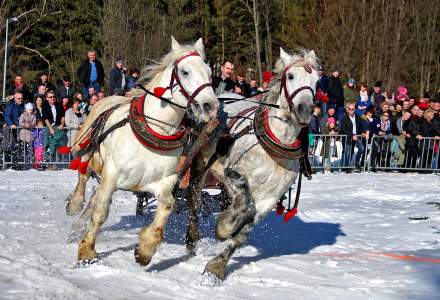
<point>151,73</point>
<point>301,57</point>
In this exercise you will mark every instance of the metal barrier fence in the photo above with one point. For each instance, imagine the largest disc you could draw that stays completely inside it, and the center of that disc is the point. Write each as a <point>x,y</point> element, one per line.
<point>326,152</point>
<point>18,152</point>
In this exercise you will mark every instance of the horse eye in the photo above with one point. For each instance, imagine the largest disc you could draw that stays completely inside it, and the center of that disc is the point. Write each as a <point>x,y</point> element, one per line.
<point>184,73</point>
<point>290,76</point>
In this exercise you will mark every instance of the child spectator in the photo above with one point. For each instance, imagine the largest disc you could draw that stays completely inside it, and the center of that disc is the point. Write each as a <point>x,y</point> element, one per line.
<point>27,122</point>
<point>364,101</point>
<point>38,134</point>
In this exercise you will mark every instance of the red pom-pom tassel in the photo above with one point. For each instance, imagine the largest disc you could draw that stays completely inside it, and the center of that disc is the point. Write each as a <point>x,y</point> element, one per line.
<point>290,214</point>
<point>82,169</point>
<point>280,209</point>
<point>159,91</point>
<point>63,150</point>
<point>74,164</point>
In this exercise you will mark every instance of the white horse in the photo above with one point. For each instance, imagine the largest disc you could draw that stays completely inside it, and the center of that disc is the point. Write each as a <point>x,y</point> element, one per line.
<point>254,178</point>
<point>123,162</point>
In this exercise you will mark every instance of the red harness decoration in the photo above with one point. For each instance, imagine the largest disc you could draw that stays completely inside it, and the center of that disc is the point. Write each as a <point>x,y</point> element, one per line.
<point>146,135</point>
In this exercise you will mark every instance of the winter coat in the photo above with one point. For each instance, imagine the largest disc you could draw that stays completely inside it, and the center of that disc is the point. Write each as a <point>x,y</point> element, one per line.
<point>350,95</point>
<point>335,92</point>
<point>47,113</point>
<point>322,84</point>
<point>27,95</point>
<point>131,82</point>
<point>346,127</point>
<point>228,87</point>
<point>49,86</point>
<point>38,134</point>
<point>377,99</point>
<point>359,102</point>
<point>116,79</point>
<point>314,125</point>
<point>63,92</point>
<point>72,123</point>
<point>84,70</point>
<point>13,112</point>
<point>27,122</point>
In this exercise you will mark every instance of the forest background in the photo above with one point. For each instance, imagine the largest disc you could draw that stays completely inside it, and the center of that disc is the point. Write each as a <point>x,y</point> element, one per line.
<point>396,41</point>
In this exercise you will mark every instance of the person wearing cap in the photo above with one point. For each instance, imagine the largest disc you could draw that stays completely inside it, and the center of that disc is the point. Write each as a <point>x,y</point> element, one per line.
<point>350,92</point>
<point>377,98</point>
<point>336,93</point>
<point>66,89</point>
<point>118,77</point>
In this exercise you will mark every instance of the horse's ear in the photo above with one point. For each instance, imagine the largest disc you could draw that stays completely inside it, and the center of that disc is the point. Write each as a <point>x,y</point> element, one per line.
<point>199,46</point>
<point>174,44</point>
<point>285,57</point>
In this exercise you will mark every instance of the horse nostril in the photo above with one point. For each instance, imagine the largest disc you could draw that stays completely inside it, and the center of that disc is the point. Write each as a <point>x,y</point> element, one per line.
<point>206,107</point>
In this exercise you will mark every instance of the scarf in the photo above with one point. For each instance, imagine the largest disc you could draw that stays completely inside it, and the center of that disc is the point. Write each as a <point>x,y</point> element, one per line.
<point>384,125</point>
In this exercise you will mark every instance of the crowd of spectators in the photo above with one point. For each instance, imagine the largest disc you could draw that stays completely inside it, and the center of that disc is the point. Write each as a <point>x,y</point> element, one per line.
<point>46,116</point>
<point>405,128</point>
<point>35,121</point>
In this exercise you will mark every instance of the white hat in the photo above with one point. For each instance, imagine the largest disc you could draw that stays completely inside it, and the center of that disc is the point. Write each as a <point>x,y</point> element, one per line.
<point>29,106</point>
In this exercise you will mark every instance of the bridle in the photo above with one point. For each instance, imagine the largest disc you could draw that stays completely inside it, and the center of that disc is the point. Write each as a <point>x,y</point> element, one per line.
<point>283,88</point>
<point>175,78</point>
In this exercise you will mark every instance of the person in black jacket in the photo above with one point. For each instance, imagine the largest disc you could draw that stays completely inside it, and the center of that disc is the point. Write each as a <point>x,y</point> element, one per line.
<point>43,79</point>
<point>118,77</point>
<point>351,126</point>
<point>415,136</point>
<point>66,89</point>
<point>90,73</point>
<point>53,116</point>
<point>224,83</point>
<point>19,86</point>
<point>336,93</point>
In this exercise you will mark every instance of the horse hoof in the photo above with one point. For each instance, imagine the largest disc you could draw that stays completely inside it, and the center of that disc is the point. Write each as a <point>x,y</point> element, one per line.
<point>85,254</point>
<point>216,269</point>
<point>141,259</point>
<point>71,209</point>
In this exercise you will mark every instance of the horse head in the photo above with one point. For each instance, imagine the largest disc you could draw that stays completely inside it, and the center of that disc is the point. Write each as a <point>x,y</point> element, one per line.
<point>191,80</point>
<point>297,86</point>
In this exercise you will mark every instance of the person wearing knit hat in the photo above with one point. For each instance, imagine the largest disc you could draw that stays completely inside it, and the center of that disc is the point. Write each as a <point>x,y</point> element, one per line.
<point>350,93</point>
<point>29,107</point>
<point>27,122</point>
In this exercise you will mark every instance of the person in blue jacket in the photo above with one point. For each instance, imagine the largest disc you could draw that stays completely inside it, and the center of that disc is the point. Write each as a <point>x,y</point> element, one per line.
<point>13,110</point>
<point>12,114</point>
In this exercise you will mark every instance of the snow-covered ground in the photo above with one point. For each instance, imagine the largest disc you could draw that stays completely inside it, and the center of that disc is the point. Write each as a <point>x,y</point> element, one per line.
<point>352,239</point>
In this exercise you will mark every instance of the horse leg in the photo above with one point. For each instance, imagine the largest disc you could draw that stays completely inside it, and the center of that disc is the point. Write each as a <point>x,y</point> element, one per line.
<point>75,201</point>
<point>99,215</point>
<point>152,235</point>
<point>242,209</point>
<point>79,228</point>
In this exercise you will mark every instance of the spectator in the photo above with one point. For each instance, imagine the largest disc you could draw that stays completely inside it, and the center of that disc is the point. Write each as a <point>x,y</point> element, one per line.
<point>253,87</point>
<point>322,89</point>
<point>132,78</point>
<point>224,83</point>
<point>19,86</point>
<point>350,92</point>
<point>364,101</point>
<point>399,130</point>
<point>65,90</point>
<point>74,120</point>
<point>329,148</point>
<point>13,110</point>
<point>331,113</point>
<point>428,130</point>
<point>406,106</point>
<point>38,107</point>
<point>351,126</point>
<point>65,102</point>
<point>101,95</point>
<point>43,79</point>
<point>377,98</point>
<point>12,114</point>
<point>41,91</point>
<point>53,115</point>
<point>415,136</point>
<point>242,85</point>
<point>93,100</point>
<point>385,107</point>
<point>27,122</point>
<point>38,144</point>
<point>381,151</point>
<point>412,101</point>
<point>389,97</point>
<point>90,73</point>
<point>397,111</point>
<point>336,93</point>
<point>118,77</point>
<point>401,94</point>
<point>91,91</point>
<point>314,125</point>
